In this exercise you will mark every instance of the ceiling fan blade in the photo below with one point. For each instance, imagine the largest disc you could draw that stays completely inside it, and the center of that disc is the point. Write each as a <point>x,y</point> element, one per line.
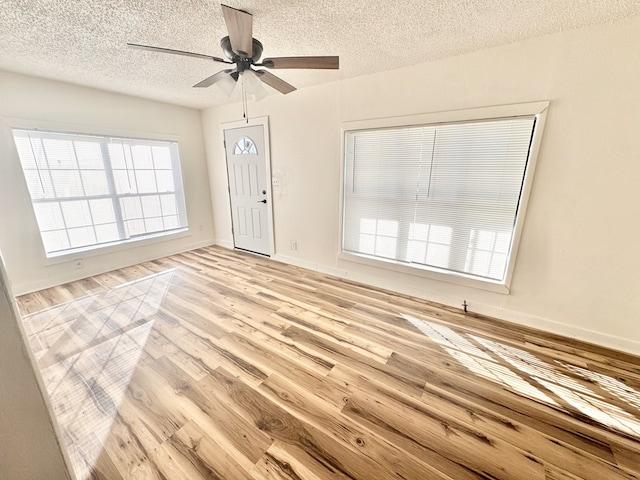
<point>175,52</point>
<point>240,28</point>
<point>275,82</point>
<point>332,63</point>
<point>216,77</point>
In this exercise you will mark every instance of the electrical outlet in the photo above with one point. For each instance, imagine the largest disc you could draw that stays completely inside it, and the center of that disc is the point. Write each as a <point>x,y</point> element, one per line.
<point>275,181</point>
<point>294,245</point>
<point>78,264</point>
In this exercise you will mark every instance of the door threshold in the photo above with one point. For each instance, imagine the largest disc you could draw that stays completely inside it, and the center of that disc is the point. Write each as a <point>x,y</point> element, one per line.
<point>251,251</point>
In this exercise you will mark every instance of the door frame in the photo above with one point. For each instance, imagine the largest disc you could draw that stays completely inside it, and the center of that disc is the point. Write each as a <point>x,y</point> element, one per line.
<point>264,122</point>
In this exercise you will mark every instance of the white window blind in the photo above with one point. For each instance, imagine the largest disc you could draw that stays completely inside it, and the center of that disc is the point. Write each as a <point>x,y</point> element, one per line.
<point>94,190</point>
<point>442,196</point>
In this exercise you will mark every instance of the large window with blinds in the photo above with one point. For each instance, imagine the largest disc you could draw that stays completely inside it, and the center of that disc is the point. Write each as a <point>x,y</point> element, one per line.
<point>92,191</point>
<point>444,197</point>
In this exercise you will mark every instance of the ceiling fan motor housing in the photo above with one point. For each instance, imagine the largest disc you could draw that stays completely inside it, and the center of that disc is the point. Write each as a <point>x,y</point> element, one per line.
<point>239,58</point>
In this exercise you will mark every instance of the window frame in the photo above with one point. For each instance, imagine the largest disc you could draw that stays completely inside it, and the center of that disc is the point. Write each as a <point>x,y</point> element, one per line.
<point>539,109</point>
<point>98,131</point>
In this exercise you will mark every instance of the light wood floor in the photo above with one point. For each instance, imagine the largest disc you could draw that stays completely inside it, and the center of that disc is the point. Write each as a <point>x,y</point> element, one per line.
<point>221,365</point>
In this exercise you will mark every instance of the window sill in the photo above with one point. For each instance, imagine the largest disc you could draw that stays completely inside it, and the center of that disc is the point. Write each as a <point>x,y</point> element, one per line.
<point>96,250</point>
<point>426,272</point>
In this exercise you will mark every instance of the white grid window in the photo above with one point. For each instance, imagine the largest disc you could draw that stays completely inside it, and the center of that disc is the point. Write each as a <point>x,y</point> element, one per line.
<point>89,191</point>
<point>451,192</point>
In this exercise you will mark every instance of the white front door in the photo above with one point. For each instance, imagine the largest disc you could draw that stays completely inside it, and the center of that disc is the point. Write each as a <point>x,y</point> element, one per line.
<point>247,169</point>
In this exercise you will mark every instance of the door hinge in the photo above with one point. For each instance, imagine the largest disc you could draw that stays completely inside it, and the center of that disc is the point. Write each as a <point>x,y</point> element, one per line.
<point>224,142</point>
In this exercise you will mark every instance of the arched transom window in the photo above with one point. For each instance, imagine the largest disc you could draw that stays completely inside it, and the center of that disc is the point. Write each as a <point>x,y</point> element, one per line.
<point>245,146</point>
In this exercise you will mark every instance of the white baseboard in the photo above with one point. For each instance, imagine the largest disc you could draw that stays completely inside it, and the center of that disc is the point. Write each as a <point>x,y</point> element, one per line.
<point>225,243</point>
<point>520,318</point>
<point>73,275</point>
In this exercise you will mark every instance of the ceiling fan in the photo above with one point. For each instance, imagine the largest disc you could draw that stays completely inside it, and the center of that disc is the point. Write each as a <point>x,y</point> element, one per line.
<point>243,51</point>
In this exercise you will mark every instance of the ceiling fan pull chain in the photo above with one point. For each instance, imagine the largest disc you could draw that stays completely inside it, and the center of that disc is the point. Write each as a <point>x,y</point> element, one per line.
<point>244,100</point>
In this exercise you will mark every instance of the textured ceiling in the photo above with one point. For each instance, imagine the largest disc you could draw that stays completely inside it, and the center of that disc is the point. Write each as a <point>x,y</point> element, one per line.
<point>83,41</point>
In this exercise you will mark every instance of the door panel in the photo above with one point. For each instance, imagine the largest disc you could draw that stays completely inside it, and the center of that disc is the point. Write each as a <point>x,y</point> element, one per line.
<point>246,164</point>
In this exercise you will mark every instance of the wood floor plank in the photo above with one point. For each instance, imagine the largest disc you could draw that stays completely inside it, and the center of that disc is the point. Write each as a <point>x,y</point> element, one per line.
<point>282,462</point>
<point>217,364</point>
<point>210,456</point>
<point>627,458</point>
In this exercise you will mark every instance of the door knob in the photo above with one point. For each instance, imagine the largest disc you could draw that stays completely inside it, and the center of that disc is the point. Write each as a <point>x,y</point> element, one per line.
<point>262,201</point>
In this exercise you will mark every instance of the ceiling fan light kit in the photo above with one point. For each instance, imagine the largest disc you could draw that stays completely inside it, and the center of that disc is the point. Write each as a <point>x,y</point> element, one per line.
<point>244,52</point>
<point>226,83</point>
<point>252,85</point>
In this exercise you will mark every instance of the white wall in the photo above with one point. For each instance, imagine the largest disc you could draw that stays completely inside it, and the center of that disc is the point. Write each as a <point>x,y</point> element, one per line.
<point>26,430</point>
<point>66,107</point>
<point>577,270</point>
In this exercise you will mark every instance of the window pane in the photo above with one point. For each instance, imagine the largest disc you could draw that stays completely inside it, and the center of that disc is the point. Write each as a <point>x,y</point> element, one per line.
<point>122,182</point>
<point>151,206</point>
<point>132,208</point>
<point>171,222</point>
<point>107,233</point>
<point>89,155</point>
<point>76,213</point>
<point>55,241</point>
<point>38,152</point>
<point>34,183</point>
<point>134,227</point>
<point>146,181</point>
<point>81,237</point>
<point>60,153</point>
<point>169,205</point>
<point>164,180</point>
<point>49,216</point>
<point>141,157</point>
<point>95,182</point>
<point>39,184</point>
<point>25,152</point>
<point>67,183</point>
<point>161,157</point>
<point>116,155</point>
<point>153,224</point>
<point>102,211</point>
